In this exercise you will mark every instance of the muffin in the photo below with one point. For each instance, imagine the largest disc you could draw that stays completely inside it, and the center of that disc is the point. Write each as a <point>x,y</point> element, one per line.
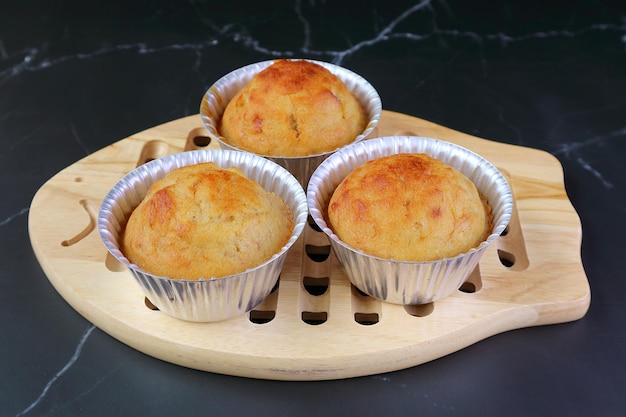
<point>386,276</point>
<point>205,300</point>
<point>221,93</point>
<point>409,207</point>
<point>293,108</point>
<point>202,221</point>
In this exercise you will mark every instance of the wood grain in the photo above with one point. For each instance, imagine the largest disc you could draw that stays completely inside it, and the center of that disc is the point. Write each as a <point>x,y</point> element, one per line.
<point>318,327</point>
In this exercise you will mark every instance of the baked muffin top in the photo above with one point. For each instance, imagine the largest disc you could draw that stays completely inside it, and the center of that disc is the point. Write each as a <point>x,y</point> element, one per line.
<point>409,207</point>
<point>293,108</point>
<point>202,221</point>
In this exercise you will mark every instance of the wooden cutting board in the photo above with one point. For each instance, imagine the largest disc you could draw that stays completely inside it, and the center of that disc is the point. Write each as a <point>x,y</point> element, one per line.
<point>315,325</point>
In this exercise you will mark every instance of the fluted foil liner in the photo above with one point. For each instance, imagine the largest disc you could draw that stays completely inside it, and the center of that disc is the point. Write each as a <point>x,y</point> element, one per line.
<point>219,95</point>
<point>402,282</point>
<point>212,299</point>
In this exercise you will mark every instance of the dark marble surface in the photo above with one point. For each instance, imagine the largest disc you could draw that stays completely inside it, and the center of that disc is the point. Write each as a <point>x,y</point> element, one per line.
<point>78,76</point>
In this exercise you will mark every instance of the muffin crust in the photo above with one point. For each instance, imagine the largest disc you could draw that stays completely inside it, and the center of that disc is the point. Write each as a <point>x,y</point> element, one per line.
<point>409,207</point>
<point>293,108</point>
<point>202,221</point>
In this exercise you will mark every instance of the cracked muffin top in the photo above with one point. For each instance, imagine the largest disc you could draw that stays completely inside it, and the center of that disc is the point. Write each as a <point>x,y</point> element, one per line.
<point>202,221</point>
<point>409,207</point>
<point>293,108</point>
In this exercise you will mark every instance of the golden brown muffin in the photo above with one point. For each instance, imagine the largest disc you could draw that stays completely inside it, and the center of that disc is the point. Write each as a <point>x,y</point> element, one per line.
<point>293,108</point>
<point>409,207</point>
<point>202,221</point>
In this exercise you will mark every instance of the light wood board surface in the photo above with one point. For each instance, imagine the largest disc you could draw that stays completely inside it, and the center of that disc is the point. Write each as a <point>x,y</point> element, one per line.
<point>532,276</point>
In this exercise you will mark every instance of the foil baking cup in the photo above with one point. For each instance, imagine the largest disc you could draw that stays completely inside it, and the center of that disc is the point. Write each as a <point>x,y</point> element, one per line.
<point>211,299</point>
<point>404,282</point>
<point>219,95</point>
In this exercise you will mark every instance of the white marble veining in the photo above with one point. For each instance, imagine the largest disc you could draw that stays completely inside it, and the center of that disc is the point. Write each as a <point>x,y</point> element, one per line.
<point>574,149</point>
<point>596,173</point>
<point>384,34</point>
<point>78,139</point>
<point>600,27</point>
<point>14,216</point>
<point>34,58</point>
<point>59,374</point>
<point>567,148</point>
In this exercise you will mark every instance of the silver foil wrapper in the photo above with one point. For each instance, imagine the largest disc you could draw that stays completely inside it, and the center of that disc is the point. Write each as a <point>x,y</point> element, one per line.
<point>212,299</point>
<point>402,282</point>
<point>219,95</point>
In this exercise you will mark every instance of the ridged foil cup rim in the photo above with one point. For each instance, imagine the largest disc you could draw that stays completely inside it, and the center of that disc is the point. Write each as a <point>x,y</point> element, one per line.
<point>216,99</point>
<point>357,154</point>
<point>211,299</point>
<point>402,281</point>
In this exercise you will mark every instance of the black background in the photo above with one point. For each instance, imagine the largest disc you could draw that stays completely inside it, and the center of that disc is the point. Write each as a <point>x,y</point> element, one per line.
<point>78,76</point>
